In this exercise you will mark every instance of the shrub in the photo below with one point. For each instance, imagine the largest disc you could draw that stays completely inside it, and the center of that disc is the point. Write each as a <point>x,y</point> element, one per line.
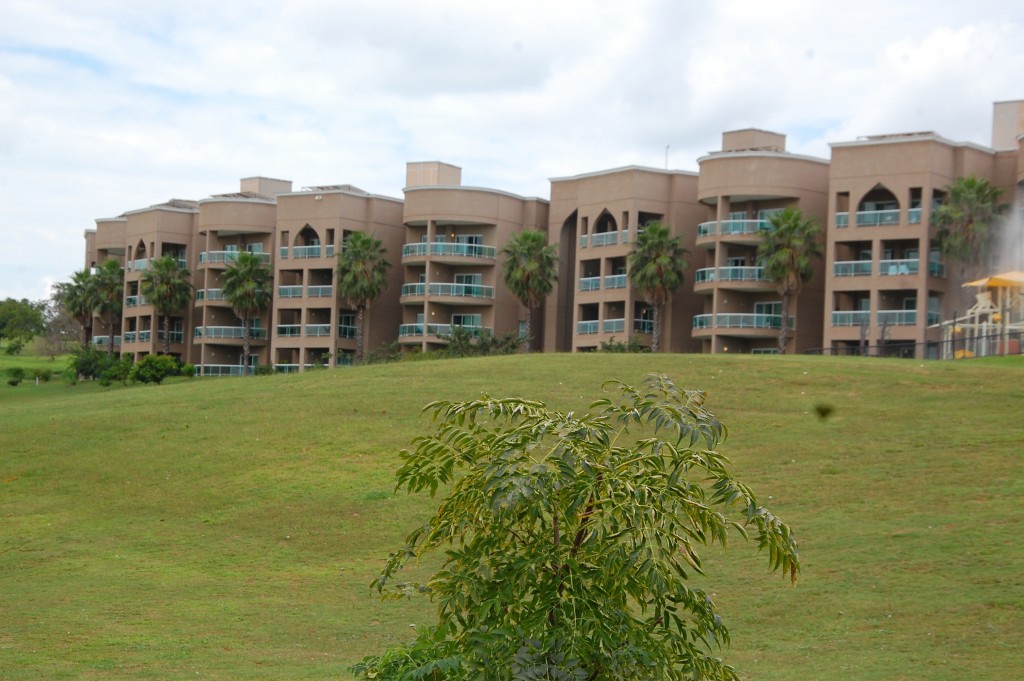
<point>633,345</point>
<point>89,362</point>
<point>390,352</point>
<point>43,375</point>
<point>120,370</point>
<point>15,375</point>
<point>154,369</point>
<point>264,370</point>
<point>188,370</point>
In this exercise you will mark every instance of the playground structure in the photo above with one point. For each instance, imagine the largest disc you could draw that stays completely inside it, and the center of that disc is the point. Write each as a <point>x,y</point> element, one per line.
<point>994,325</point>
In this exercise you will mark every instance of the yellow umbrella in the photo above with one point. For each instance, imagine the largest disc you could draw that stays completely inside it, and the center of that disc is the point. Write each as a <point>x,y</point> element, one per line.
<point>1005,280</point>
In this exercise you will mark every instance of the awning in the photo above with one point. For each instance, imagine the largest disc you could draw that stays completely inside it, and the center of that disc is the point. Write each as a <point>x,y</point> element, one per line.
<point>1006,280</point>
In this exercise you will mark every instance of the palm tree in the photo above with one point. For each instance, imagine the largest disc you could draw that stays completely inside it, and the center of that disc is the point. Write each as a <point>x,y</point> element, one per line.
<point>786,253</point>
<point>530,272</point>
<point>656,267</point>
<point>79,298</point>
<point>109,284</point>
<point>247,286</point>
<point>362,277</point>
<point>167,286</point>
<point>968,223</point>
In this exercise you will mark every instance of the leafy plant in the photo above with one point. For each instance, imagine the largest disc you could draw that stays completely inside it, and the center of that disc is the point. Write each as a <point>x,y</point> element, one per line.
<point>530,271</point>
<point>569,539</point>
<point>632,345</point>
<point>15,375</point>
<point>656,267</point>
<point>154,369</point>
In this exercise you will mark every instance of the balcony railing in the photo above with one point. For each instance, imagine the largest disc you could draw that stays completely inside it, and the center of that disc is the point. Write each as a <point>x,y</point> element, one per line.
<point>448,290</point>
<point>209,294</point>
<point>584,240</point>
<point>875,218</point>
<point>936,269</point>
<point>604,239</point>
<point>346,331</point>
<point>727,227</point>
<point>897,317</point>
<point>319,291</point>
<point>613,325</point>
<point>892,268</point>
<point>105,340</point>
<point>289,291</point>
<point>615,281</point>
<point>140,265</point>
<point>850,317</point>
<point>135,301</point>
<point>914,216</point>
<point>228,257</point>
<point>590,283</point>
<point>318,330</point>
<point>843,219</point>
<point>316,251</point>
<point>711,274</point>
<point>407,330</point>
<point>741,321</point>
<point>448,249</point>
<point>174,336</point>
<point>288,330</point>
<point>228,332</point>
<point>643,325</point>
<point>221,370</point>
<point>851,268</point>
<point>588,327</point>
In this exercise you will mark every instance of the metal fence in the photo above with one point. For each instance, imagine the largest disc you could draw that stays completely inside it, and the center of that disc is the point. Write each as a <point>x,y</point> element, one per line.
<point>967,347</point>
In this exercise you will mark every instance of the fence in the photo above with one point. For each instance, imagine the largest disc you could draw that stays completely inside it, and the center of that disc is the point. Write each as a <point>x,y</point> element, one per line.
<point>968,347</point>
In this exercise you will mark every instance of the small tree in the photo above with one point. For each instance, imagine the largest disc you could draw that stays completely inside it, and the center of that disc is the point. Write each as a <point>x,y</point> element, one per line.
<point>530,272</point>
<point>362,277</point>
<point>79,298</point>
<point>656,267</point>
<point>167,286</point>
<point>247,286</point>
<point>154,369</point>
<point>569,540</point>
<point>787,254</point>
<point>20,321</point>
<point>968,224</point>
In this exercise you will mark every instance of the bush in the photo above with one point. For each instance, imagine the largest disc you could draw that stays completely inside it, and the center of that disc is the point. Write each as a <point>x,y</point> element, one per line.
<point>264,370</point>
<point>154,369</point>
<point>89,362</point>
<point>120,370</point>
<point>188,370</point>
<point>463,342</point>
<point>15,375</point>
<point>633,345</point>
<point>386,353</point>
<point>43,375</point>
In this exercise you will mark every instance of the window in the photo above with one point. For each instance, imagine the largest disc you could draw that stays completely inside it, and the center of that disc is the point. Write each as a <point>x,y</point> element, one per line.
<point>736,262</point>
<point>467,319</point>
<point>253,248</point>
<point>768,308</point>
<point>475,239</point>
<point>469,279</point>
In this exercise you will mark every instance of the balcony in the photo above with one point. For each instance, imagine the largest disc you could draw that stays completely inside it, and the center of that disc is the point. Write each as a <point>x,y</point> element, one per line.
<point>105,340</point>
<point>315,251</point>
<point>289,291</point>
<point>588,327</point>
<point>877,218</point>
<point>843,219</point>
<point>605,239</point>
<point>228,257</point>
<point>732,227</point>
<point>448,290</point>
<point>851,318</point>
<point>740,321</point>
<point>590,283</point>
<point>174,336</point>
<point>234,332</point>
<point>893,268</point>
<point>209,294</point>
<point>851,268</point>
<point>937,269</point>
<point>346,331</point>
<point>288,330</point>
<point>613,325</point>
<point>449,250</point>
<point>643,325</point>
<point>318,330</point>
<point>613,281</point>
<point>220,370</point>
<point>319,291</point>
<point>438,330</point>
<point>914,216</point>
<point>135,301</point>
<point>897,317</point>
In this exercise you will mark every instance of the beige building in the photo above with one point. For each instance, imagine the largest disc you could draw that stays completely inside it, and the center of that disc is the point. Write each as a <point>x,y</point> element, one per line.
<point>882,286</point>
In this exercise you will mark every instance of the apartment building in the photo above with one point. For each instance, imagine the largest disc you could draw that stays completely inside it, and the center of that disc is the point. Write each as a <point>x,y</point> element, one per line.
<point>452,258</point>
<point>882,282</point>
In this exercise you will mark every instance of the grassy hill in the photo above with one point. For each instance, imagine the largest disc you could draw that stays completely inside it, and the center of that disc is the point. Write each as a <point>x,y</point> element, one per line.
<point>229,528</point>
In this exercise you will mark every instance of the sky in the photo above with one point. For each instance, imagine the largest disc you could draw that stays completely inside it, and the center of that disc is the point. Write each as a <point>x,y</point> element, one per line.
<point>113,105</point>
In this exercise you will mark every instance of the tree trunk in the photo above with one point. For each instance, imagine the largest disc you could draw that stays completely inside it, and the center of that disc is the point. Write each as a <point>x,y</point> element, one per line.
<point>246,336</point>
<point>359,335</point>
<point>529,330</point>
<point>784,326</point>
<point>656,329</point>
<point>111,325</point>
<point>167,333</point>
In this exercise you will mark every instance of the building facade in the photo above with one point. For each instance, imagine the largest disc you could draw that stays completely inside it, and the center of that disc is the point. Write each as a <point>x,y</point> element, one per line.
<point>883,280</point>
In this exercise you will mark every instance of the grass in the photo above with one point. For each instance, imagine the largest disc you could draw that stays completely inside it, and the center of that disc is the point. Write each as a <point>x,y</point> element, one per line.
<point>229,528</point>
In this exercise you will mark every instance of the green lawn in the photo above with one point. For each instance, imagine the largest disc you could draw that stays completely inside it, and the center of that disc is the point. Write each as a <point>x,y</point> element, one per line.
<point>228,528</point>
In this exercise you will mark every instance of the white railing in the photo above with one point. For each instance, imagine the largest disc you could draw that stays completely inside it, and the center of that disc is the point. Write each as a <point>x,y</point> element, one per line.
<point>892,268</point>
<point>613,325</point>
<point>288,330</point>
<point>850,317</point>
<point>229,257</point>
<point>449,249</point>
<point>318,330</point>
<point>726,227</point>
<point>289,291</point>
<point>588,327</point>
<point>319,291</point>
<point>448,290</point>
<point>851,268</point>
<point>897,317</point>
<point>741,321</point>
<point>135,301</point>
<point>590,283</point>
<point>604,239</point>
<point>228,332</point>
<point>875,218</point>
<point>615,281</point>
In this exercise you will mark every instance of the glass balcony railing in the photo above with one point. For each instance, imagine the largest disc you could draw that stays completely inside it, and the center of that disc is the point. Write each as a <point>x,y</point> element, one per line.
<point>346,331</point>
<point>897,317</point>
<point>105,340</point>
<point>741,321</point>
<point>643,325</point>
<point>289,291</point>
<point>934,318</point>
<point>318,330</point>
<point>851,268</point>
<point>875,218</point>
<point>613,281</point>
<point>588,327</point>
<point>590,283</point>
<point>712,274</point>
<point>728,227</point>
<point>228,257</point>
<point>914,216</point>
<point>288,330</point>
<point>135,301</point>
<point>705,275</point>
<point>613,325</point>
<point>221,370</point>
<point>604,239</point>
<point>843,219</point>
<point>209,294</point>
<point>850,317</point>
<point>936,269</point>
<point>449,249</point>
<point>438,330</point>
<point>129,336</point>
<point>320,291</point>
<point>892,268</point>
<point>214,332</point>
<point>314,251</point>
<point>584,241</point>
<point>140,265</point>
<point>448,290</point>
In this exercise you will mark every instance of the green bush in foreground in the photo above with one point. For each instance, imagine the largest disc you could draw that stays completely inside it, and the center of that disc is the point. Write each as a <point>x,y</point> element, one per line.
<point>154,369</point>
<point>569,540</point>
